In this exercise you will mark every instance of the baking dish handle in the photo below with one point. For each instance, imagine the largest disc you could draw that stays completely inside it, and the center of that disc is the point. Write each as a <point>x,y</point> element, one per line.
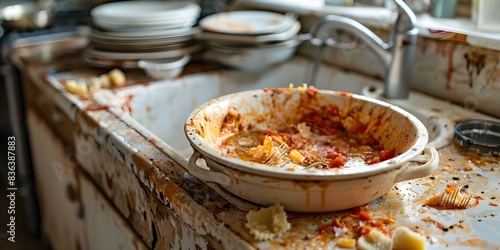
<point>204,174</point>
<point>430,160</point>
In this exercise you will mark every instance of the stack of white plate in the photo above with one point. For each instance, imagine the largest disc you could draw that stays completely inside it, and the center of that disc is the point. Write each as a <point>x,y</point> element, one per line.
<point>240,38</point>
<point>125,32</point>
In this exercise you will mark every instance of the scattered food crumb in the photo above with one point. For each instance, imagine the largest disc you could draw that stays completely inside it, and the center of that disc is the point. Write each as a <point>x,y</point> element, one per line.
<point>267,223</point>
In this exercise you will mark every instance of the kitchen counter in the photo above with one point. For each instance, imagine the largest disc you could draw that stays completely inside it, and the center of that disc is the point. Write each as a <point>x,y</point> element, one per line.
<point>105,184</point>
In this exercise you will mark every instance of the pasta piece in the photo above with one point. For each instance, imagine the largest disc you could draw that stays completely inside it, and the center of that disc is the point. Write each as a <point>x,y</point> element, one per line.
<point>375,240</point>
<point>117,77</point>
<point>94,84</point>
<point>267,223</point>
<point>76,88</point>
<point>296,156</point>
<point>346,243</point>
<point>104,80</point>
<point>405,239</point>
<point>261,153</point>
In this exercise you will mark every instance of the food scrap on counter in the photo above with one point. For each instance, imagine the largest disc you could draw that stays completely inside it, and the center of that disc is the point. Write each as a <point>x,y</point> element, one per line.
<point>354,230</point>
<point>267,223</point>
<point>453,197</point>
<point>82,86</point>
<point>360,230</point>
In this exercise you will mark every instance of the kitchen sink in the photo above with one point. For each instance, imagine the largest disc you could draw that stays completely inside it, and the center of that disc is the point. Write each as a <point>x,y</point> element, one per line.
<point>159,110</point>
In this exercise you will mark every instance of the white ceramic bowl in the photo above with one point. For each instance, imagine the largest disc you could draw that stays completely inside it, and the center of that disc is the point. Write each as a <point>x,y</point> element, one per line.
<point>164,68</point>
<point>317,190</point>
<point>253,59</point>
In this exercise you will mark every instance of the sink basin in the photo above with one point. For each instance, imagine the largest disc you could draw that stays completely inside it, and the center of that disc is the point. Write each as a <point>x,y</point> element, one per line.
<point>159,110</point>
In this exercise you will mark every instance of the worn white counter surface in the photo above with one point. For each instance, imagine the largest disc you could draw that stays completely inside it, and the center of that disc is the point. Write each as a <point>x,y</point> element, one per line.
<point>167,208</point>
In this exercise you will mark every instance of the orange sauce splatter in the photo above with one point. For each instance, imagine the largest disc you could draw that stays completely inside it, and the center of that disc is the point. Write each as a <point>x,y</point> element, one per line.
<point>439,225</point>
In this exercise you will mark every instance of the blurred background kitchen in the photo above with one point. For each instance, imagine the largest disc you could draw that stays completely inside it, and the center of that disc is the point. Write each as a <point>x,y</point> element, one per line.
<point>33,19</point>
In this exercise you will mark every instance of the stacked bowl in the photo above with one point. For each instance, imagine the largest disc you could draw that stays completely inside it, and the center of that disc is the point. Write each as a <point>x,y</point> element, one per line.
<point>249,40</point>
<point>125,33</point>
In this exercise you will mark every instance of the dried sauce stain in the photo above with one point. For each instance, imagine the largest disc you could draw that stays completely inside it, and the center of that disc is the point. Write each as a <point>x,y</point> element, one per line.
<point>440,48</point>
<point>475,62</point>
<point>305,186</point>
<point>127,104</point>
<point>475,243</point>
<point>423,44</point>
<point>324,188</point>
<point>478,160</point>
<point>275,90</point>
<point>451,68</point>
<point>153,140</point>
<point>140,163</point>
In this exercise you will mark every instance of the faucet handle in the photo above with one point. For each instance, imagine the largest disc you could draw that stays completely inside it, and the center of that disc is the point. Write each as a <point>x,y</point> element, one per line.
<point>406,19</point>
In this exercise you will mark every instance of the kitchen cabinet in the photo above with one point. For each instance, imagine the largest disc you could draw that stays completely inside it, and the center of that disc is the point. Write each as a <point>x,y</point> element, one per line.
<point>57,187</point>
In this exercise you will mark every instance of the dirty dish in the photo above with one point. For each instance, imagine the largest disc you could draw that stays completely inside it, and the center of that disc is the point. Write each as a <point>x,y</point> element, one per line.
<point>132,11</point>
<point>149,15</point>
<point>142,55</point>
<point>313,189</point>
<point>253,59</point>
<point>250,39</point>
<point>247,22</point>
<point>164,68</point>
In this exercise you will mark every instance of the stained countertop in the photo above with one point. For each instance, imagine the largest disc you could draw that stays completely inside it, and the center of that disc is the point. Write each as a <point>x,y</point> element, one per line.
<point>209,210</point>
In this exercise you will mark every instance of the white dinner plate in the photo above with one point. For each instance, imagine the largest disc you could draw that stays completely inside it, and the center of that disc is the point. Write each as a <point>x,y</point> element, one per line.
<point>246,22</point>
<point>108,63</point>
<point>133,11</point>
<point>145,34</point>
<point>250,39</point>
<point>144,42</point>
<point>123,27</point>
<point>107,55</point>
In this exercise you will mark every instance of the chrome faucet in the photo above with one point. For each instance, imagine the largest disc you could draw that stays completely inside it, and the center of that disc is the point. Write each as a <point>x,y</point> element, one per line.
<point>396,54</point>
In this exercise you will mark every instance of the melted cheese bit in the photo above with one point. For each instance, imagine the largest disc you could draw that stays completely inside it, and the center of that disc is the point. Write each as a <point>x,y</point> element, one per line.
<point>303,87</point>
<point>300,88</point>
<point>405,239</point>
<point>346,243</point>
<point>267,223</point>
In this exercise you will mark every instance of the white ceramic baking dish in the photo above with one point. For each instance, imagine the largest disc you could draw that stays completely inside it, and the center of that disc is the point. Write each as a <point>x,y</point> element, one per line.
<point>308,190</point>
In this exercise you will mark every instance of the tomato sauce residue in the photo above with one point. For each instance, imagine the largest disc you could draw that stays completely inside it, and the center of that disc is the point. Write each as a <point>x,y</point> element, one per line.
<point>127,104</point>
<point>320,136</point>
<point>439,225</point>
<point>95,107</point>
<point>357,223</point>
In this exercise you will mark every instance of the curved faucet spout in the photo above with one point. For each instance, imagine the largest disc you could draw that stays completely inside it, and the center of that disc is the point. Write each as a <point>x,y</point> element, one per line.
<point>396,55</point>
<point>322,30</point>
<point>406,19</point>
